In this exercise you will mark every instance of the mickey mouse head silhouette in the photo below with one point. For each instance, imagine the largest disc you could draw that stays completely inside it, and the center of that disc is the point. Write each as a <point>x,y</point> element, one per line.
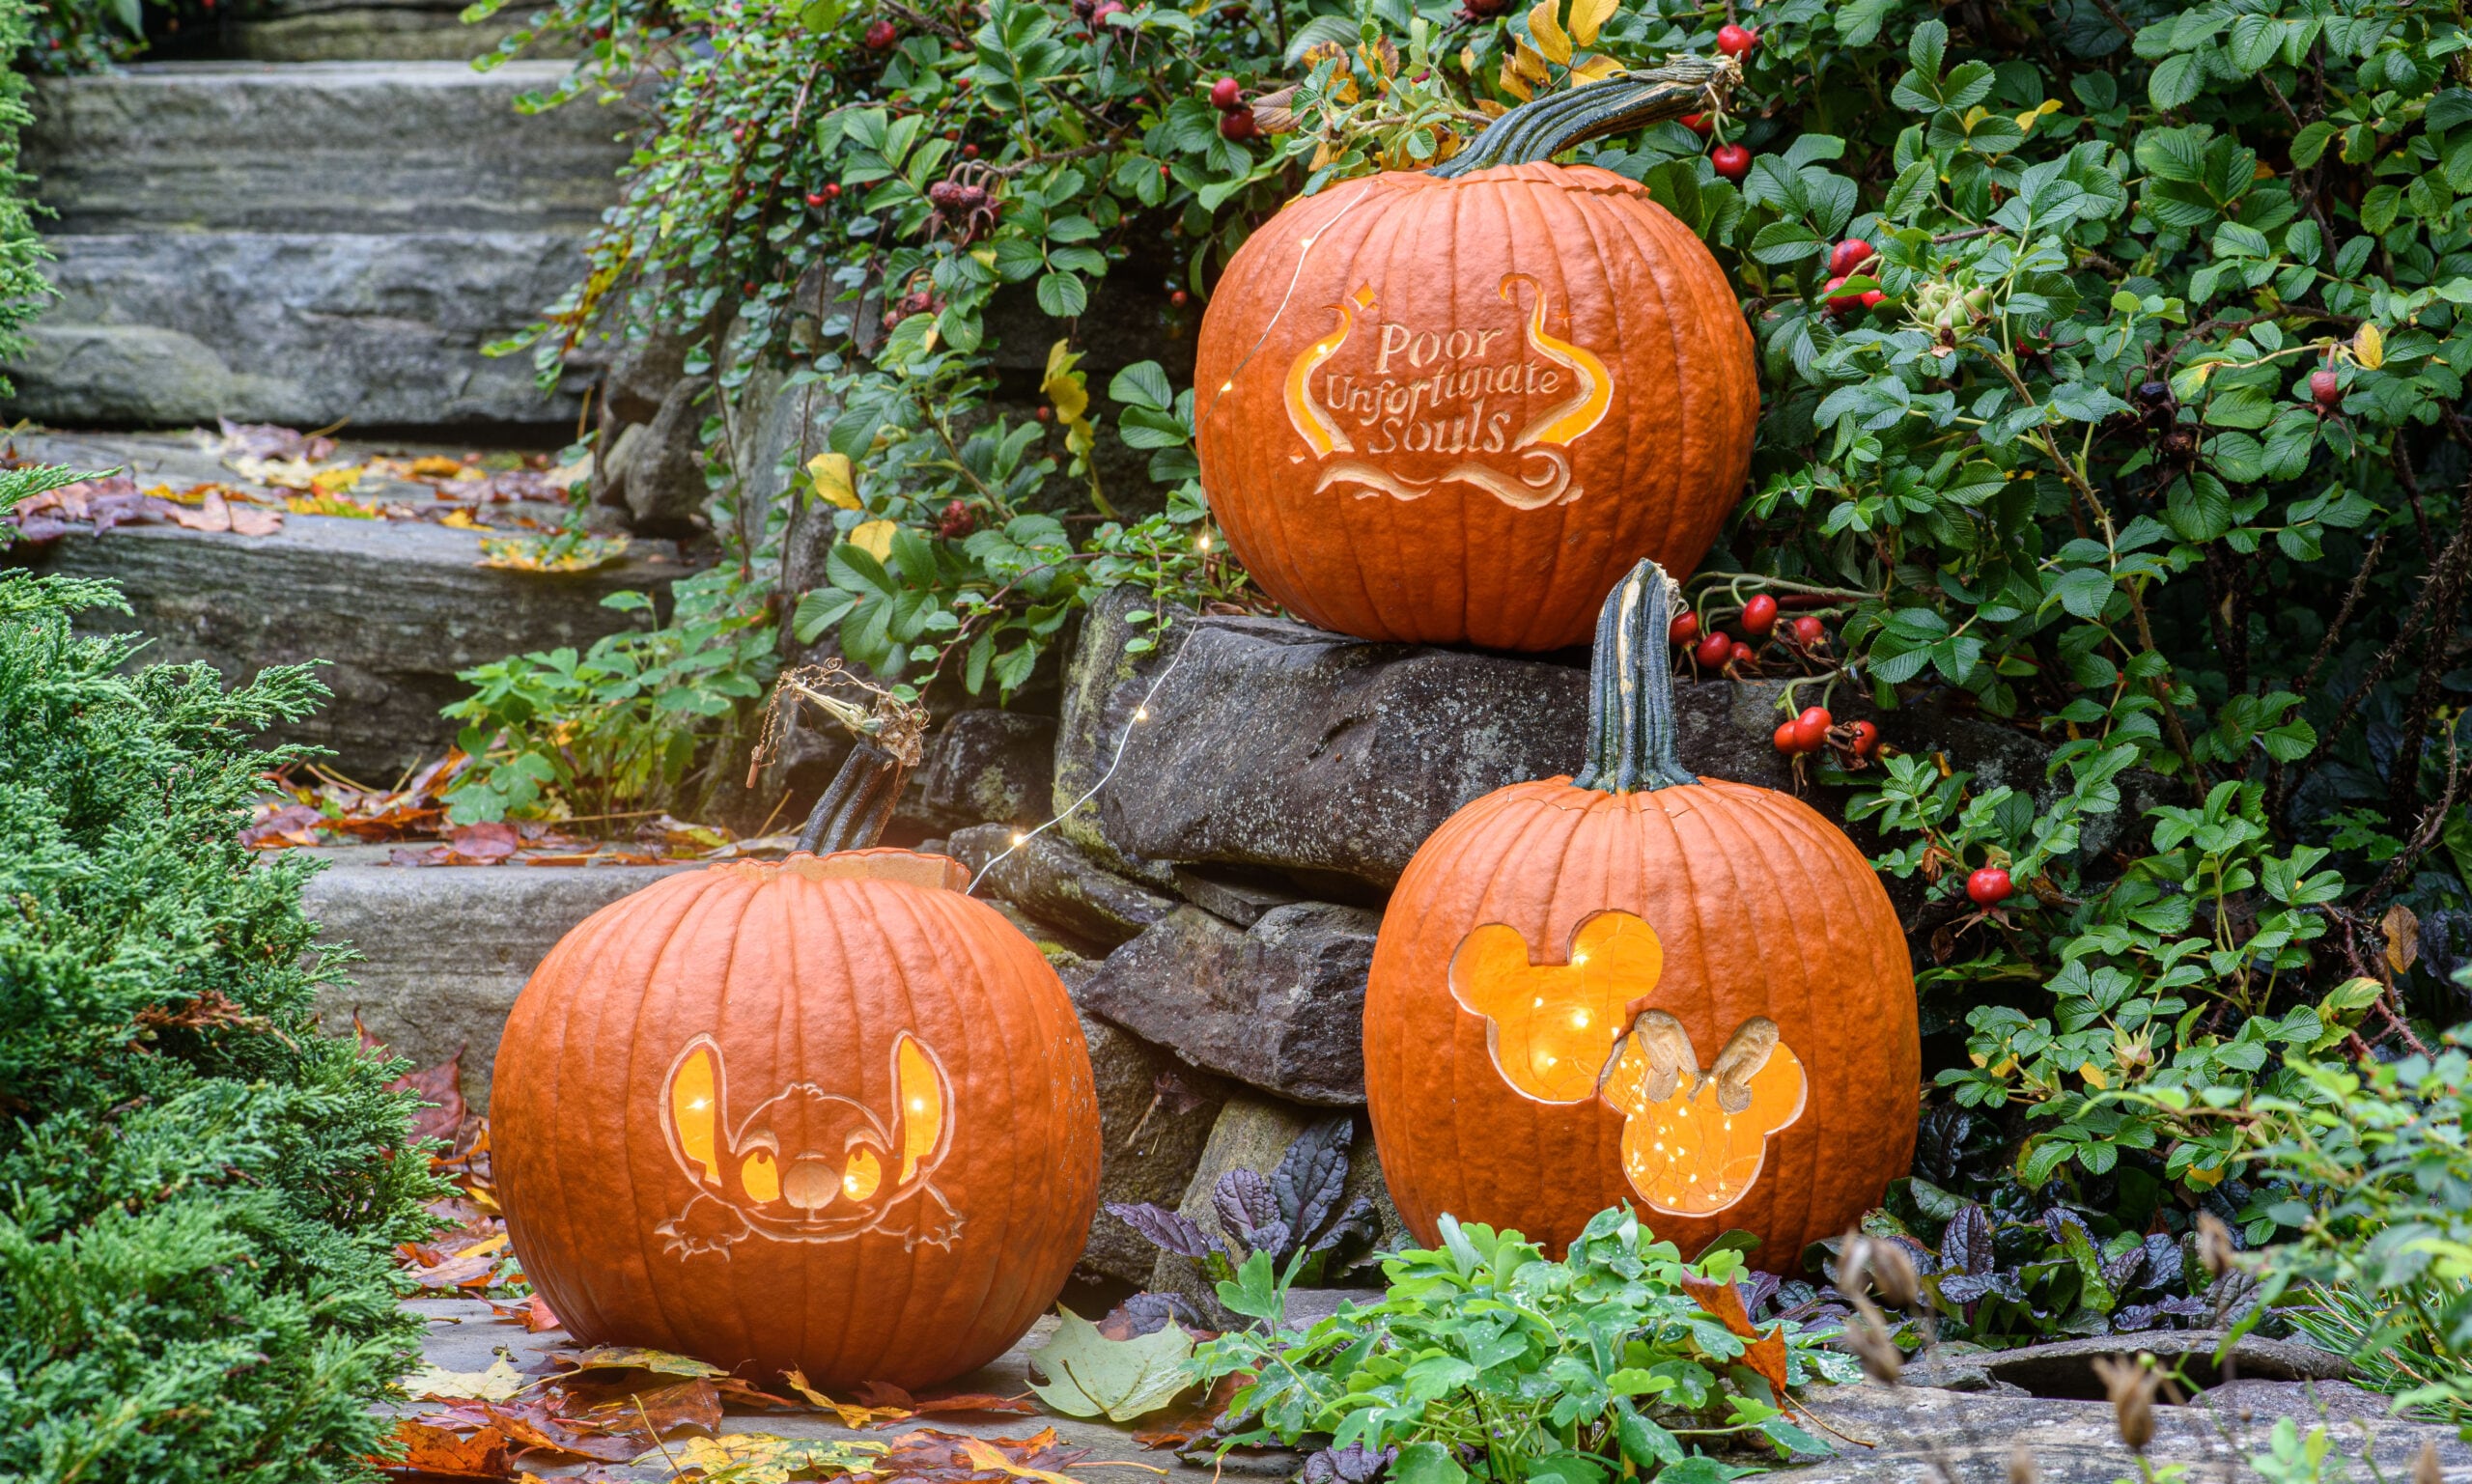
<point>808,1165</point>
<point>1693,1141</point>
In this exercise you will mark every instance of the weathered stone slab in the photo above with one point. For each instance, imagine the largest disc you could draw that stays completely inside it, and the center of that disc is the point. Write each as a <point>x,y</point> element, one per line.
<point>990,766</point>
<point>322,148</point>
<point>363,33</point>
<point>1907,1435</point>
<point>155,328</point>
<point>1279,1005</point>
<point>2066,1367</point>
<point>1234,892</point>
<point>1104,685</point>
<point>1274,745</point>
<point>1056,884</point>
<point>1154,1117</point>
<point>447,948</point>
<point>396,606</point>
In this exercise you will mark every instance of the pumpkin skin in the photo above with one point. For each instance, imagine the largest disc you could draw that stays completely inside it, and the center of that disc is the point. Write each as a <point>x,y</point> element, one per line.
<point>1745,909</point>
<point>830,1114</point>
<point>1455,410</point>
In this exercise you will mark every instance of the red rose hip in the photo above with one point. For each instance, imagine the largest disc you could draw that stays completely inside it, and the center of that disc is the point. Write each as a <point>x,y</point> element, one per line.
<point>1809,632</point>
<point>1713,651</point>
<point>1225,94</point>
<point>2326,389</point>
<point>1989,887</point>
<point>1732,160</point>
<point>1759,615</point>
<point>1736,40</point>
<point>1810,728</point>
<point>1786,742</point>
<point>880,35</point>
<point>1684,629</point>
<point>1867,739</point>
<point>1847,256</point>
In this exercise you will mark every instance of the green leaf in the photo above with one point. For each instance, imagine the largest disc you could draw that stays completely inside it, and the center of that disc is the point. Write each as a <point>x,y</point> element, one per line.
<point>2175,80</point>
<point>1089,1375</point>
<point>1427,1462</point>
<point>1063,295</point>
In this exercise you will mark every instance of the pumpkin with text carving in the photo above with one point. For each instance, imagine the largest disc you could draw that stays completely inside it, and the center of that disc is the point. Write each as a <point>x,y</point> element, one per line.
<point>1455,405</point>
<point>1640,986</point>
<point>831,1113</point>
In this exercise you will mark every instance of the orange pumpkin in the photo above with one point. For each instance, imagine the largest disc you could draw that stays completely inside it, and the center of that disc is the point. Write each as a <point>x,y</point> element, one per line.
<point>1454,407</point>
<point>1641,986</point>
<point>831,1113</point>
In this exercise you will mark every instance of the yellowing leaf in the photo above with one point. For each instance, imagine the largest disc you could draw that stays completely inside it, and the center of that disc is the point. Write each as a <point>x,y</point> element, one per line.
<point>1531,64</point>
<point>1089,1375</point>
<point>835,481</point>
<point>985,1459</point>
<point>2368,346</point>
<point>874,538</point>
<point>1468,60</point>
<point>1589,16</point>
<point>1548,32</point>
<point>463,520</point>
<point>2093,1075</point>
<point>851,1414</point>
<point>2203,1179</point>
<point>762,1458</point>
<point>495,1385</point>
<point>1594,69</point>
<point>1063,386</point>
<point>1512,82</point>
<point>516,554</point>
<point>630,1357</point>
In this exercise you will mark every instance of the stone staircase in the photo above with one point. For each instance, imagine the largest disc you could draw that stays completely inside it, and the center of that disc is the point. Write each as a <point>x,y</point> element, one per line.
<point>305,242</point>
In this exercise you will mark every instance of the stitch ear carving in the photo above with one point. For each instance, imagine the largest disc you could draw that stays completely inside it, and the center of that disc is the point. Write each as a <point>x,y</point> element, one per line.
<point>690,1110</point>
<point>1550,1026</point>
<point>924,1093</point>
<point>1694,1141</point>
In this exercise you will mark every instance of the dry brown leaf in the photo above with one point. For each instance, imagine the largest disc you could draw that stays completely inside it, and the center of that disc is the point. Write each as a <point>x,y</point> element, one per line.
<point>2403,930</point>
<point>436,1453</point>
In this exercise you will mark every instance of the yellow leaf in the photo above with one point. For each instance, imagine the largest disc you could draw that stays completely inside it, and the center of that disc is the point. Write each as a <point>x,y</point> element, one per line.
<point>763,1458</point>
<point>1532,65</point>
<point>1548,32</point>
<point>874,538</point>
<point>1468,60</point>
<point>1513,83</point>
<point>2368,346</point>
<point>1589,16</point>
<point>1594,69</point>
<point>495,1385</point>
<point>835,481</point>
<point>2093,1075</point>
<point>2026,120</point>
<point>2203,1179</point>
<point>1063,386</point>
<point>985,1459</point>
<point>851,1414</point>
<point>461,520</point>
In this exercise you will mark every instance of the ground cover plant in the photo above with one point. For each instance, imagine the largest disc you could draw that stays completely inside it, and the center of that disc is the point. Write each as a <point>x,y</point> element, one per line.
<point>198,1189</point>
<point>2112,377</point>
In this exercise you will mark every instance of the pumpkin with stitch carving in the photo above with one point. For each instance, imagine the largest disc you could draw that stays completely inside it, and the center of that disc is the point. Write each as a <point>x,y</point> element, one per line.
<point>1453,405</point>
<point>1638,985</point>
<point>831,1113</point>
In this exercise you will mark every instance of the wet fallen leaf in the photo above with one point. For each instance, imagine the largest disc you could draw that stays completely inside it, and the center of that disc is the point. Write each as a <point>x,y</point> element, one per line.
<point>285,827</point>
<point>1089,1375</point>
<point>323,503</point>
<point>435,1453</point>
<point>986,1459</point>
<point>877,1394</point>
<point>660,1411</point>
<point>267,440</point>
<point>1723,1301</point>
<point>932,1453</point>
<point>533,1313</point>
<point>762,1458</point>
<point>851,1414</point>
<point>495,1385</point>
<point>583,553</point>
<point>629,1358</point>
<point>463,520</point>
<point>433,466</point>
<point>484,844</point>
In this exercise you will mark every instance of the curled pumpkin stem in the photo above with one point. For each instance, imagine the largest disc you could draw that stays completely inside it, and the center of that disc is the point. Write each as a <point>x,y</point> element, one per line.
<point>891,736</point>
<point>1537,131</point>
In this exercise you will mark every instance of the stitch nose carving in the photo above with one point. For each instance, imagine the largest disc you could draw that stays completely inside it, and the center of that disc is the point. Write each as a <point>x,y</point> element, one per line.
<point>811,1184</point>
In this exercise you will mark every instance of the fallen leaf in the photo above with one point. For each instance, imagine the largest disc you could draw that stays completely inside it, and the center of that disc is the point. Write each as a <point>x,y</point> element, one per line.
<point>851,1414</point>
<point>762,1458</point>
<point>533,1313</point>
<point>495,1385</point>
<point>436,1453</point>
<point>283,826</point>
<point>877,1394</point>
<point>484,844</point>
<point>1089,1375</point>
<point>441,1093</point>
<point>433,466</point>
<point>323,503</point>
<point>581,553</point>
<point>463,520</point>
<point>1723,1301</point>
<point>605,1357</point>
<point>989,1461</point>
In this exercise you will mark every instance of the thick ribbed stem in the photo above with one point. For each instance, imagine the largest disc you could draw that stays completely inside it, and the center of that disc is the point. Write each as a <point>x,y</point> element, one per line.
<point>853,813</point>
<point>1539,130</point>
<point>1630,701</point>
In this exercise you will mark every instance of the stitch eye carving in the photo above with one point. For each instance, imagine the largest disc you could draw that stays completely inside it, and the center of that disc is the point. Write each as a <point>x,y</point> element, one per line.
<point>1693,1141</point>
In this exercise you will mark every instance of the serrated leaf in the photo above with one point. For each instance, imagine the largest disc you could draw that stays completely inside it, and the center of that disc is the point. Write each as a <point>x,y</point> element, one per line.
<point>1091,1376</point>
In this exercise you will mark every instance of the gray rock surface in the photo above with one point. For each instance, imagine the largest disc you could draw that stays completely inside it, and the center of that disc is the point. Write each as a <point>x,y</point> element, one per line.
<point>665,488</point>
<point>305,243</point>
<point>1057,884</point>
<point>641,372</point>
<point>447,948</point>
<point>1353,753</point>
<point>2065,1368</point>
<point>1906,1434</point>
<point>397,608</point>
<point>989,765</point>
<point>1237,893</point>
<point>1104,685</point>
<point>1154,1117</point>
<point>363,33</point>
<point>1278,1005</point>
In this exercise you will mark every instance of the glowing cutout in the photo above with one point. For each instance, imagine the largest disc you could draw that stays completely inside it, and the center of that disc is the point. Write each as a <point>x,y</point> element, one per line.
<point>808,1165</point>
<point>1694,1141</point>
<point>1551,1027</point>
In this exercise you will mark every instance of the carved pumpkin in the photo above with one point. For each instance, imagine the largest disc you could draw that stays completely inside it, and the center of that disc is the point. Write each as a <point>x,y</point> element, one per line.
<point>831,1113</point>
<point>1455,405</point>
<point>1561,955</point>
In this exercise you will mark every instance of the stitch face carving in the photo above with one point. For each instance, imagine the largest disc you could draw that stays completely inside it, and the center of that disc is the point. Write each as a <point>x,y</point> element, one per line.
<point>808,1165</point>
<point>1693,1141</point>
<point>1552,1027</point>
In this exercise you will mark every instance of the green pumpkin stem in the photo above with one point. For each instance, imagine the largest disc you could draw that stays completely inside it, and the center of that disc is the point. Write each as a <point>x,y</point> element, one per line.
<point>1630,703</point>
<point>853,813</point>
<point>1537,131</point>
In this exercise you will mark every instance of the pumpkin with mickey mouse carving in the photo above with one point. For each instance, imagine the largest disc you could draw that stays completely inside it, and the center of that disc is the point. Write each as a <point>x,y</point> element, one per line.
<point>1639,985</point>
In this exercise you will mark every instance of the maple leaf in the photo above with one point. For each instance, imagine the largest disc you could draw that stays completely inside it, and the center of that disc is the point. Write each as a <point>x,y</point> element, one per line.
<point>438,1453</point>
<point>1090,1375</point>
<point>495,1385</point>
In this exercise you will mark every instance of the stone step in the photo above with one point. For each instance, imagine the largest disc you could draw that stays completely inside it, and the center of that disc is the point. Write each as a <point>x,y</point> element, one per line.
<point>155,328</point>
<point>305,243</point>
<point>396,606</point>
<point>324,148</point>
<point>392,30</point>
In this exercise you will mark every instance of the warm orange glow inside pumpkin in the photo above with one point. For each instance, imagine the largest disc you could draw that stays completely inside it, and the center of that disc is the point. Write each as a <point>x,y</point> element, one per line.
<point>922,1107</point>
<point>691,1111</point>
<point>1693,1141</point>
<point>1552,1027</point>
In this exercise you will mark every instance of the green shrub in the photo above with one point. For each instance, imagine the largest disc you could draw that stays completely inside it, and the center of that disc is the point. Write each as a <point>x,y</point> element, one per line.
<point>197,1193</point>
<point>22,290</point>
